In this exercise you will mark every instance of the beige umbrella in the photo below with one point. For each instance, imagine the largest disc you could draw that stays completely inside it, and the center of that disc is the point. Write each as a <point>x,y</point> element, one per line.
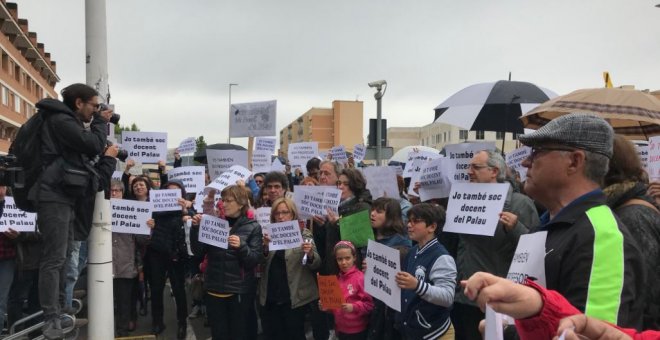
<point>632,113</point>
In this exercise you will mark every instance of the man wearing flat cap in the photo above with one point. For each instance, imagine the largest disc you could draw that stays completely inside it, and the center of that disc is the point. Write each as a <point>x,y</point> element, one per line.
<point>591,258</point>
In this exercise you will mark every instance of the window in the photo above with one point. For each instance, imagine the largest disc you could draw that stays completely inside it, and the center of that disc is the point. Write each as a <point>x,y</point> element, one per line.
<point>444,136</point>
<point>17,103</point>
<point>463,134</point>
<point>499,135</point>
<point>5,96</point>
<point>480,134</point>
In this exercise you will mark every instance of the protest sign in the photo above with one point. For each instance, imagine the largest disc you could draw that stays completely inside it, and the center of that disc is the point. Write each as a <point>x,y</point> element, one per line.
<point>315,200</point>
<point>219,161</point>
<point>654,158</point>
<point>261,161</point>
<point>418,155</point>
<point>228,178</point>
<point>529,259</point>
<point>359,151</point>
<point>214,231</point>
<point>339,154</point>
<point>515,158</point>
<point>165,199</point>
<point>145,147</point>
<point>435,178</point>
<point>494,327</point>
<point>130,216</point>
<point>263,216</point>
<point>415,176</point>
<point>192,177</point>
<point>265,144</point>
<point>462,154</point>
<point>398,170</point>
<point>277,165</point>
<point>187,146</point>
<point>253,119</point>
<point>475,208</point>
<point>17,219</point>
<point>330,292</point>
<point>300,153</point>
<point>381,181</point>
<point>356,228</point>
<point>642,148</point>
<point>383,263</point>
<point>116,175</point>
<point>284,235</point>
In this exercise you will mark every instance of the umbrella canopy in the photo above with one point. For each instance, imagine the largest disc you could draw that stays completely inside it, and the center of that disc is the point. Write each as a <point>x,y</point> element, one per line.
<point>632,113</point>
<point>401,156</point>
<point>493,106</point>
<point>200,155</point>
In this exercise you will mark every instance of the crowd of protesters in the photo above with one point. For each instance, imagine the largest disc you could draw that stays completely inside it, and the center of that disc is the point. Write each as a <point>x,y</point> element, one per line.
<point>585,187</point>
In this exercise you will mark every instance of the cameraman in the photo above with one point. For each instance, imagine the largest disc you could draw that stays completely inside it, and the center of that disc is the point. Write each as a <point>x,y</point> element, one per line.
<point>66,148</point>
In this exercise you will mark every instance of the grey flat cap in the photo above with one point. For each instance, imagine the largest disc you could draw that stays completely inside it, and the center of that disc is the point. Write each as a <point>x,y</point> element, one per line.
<point>578,130</point>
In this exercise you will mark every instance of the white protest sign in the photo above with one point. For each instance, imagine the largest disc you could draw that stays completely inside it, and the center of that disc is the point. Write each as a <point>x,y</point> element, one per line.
<point>214,231</point>
<point>300,153</point>
<point>253,119</point>
<point>219,161</point>
<point>381,181</point>
<point>359,151</point>
<point>475,208</point>
<point>654,158</point>
<point>494,327</point>
<point>383,263</point>
<point>284,235</point>
<point>462,154</point>
<point>192,177</point>
<point>643,153</point>
<point>261,161</point>
<point>315,200</point>
<point>187,146</point>
<point>263,216</point>
<point>130,216</point>
<point>116,175</point>
<point>416,175</point>
<point>265,144</point>
<point>165,199</point>
<point>277,165</point>
<point>435,178</point>
<point>228,178</point>
<point>515,158</point>
<point>145,147</point>
<point>417,155</point>
<point>398,170</point>
<point>339,154</point>
<point>17,219</point>
<point>529,259</point>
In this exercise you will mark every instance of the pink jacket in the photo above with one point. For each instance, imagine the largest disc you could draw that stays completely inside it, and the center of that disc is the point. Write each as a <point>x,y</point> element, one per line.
<point>352,285</point>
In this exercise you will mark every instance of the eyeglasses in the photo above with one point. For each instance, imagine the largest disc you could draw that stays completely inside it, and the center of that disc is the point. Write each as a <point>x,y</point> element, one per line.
<point>281,213</point>
<point>539,150</point>
<point>116,190</point>
<point>345,183</point>
<point>479,166</point>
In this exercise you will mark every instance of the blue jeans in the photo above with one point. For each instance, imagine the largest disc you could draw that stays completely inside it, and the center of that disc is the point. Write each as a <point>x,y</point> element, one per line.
<point>6,278</point>
<point>76,261</point>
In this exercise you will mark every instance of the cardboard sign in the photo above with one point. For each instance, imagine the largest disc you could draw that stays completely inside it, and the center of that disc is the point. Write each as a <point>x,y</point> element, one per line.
<point>418,155</point>
<point>300,153</point>
<point>214,231</point>
<point>654,158</point>
<point>253,119</point>
<point>17,219</point>
<point>130,216</point>
<point>187,146</point>
<point>515,158</point>
<point>219,161</point>
<point>529,259</point>
<point>145,147</point>
<point>356,228</point>
<point>228,178</point>
<point>383,263</point>
<point>463,154</point>
<point>315,200</point>
<point>165,199</point>
<point>381,181</point>
<point>193,177</point>
<point>330,292</point>
<point>435,178</point>
<point>475,208</point>
<point>284,235</point>
<point>359,151</point>
<point>263,216</point>
<point>339,154</point>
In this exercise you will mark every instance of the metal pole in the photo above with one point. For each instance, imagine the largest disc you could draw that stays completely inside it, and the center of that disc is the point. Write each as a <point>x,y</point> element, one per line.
<point>229,116</point>
<point>379,133</point>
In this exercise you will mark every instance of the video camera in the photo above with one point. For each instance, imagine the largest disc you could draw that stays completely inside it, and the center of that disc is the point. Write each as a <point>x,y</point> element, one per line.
<point>114,119</point>
<point>10,173</point>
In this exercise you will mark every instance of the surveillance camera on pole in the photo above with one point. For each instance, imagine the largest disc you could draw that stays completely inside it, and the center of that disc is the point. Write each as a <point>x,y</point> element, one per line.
<point>378,85</point>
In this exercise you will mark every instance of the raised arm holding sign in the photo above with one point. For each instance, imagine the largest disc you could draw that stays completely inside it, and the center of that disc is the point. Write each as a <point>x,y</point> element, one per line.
<point>145,147</point>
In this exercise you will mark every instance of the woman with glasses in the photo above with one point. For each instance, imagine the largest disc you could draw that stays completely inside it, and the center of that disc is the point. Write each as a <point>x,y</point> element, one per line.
<point>287,285</point>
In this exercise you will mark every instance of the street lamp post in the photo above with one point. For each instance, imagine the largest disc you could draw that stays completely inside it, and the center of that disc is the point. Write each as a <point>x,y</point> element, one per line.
<point>379,96</point>
<point>229,116</point>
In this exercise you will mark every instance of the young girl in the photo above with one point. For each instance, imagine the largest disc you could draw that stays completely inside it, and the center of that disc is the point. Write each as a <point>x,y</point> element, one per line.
<point>352,319</point>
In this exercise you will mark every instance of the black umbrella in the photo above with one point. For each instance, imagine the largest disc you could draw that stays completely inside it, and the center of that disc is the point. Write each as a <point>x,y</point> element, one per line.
<point>200,155</point>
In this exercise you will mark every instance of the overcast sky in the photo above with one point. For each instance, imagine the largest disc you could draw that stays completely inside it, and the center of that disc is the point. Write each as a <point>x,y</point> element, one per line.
<point>170,61</point>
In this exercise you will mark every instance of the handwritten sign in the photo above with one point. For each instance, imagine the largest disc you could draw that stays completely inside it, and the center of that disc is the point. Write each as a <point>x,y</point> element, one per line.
<point>187,146</point>
<point>515,158</point>
<point>192,177</point>
<point>435,178</point>
<point>462,154</point>
<point>654,158</point>
<point>315,200</point>
<point>253,119</point>
<point>145,147</point>
<point>265,144</point>
<point>130,217</point>
<point>330,292</point>
<point>339,154</point>
<point>284,235</point>
<point>17,219</point>
<point>300,153</point>
<point>529,259</point>
<point>228,178</point>
<point>359,151</point>
<point>214,231</point>
<point>165,199</point>
<point>277,165</point>
<point>475,208</point>
<point>415,176</point>
<point>356,228</point>
<point>219,161</point>
<point>381,181</point>
<point>263,216</point>
<point>383,263</point>
<point>417,155</point>
<point>261,161</point>
<point>116,175</point>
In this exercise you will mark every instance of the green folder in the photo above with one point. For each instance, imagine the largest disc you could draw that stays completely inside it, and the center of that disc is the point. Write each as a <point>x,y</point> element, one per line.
<point>356,228</point>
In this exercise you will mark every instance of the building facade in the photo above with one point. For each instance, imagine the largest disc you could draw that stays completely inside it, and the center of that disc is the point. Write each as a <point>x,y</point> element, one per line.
<point>340,125</point>
<point>27,73</point>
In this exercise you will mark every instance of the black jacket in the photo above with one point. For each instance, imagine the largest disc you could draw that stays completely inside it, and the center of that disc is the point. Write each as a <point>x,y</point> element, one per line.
<point>85,206</point>
<point>231,271</point>
<point>168,236</point>
<point>64,143</point>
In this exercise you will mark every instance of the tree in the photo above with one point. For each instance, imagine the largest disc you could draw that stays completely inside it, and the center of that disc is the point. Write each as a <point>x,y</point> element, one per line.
<point>201,144</point>
<point>119,128</point>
